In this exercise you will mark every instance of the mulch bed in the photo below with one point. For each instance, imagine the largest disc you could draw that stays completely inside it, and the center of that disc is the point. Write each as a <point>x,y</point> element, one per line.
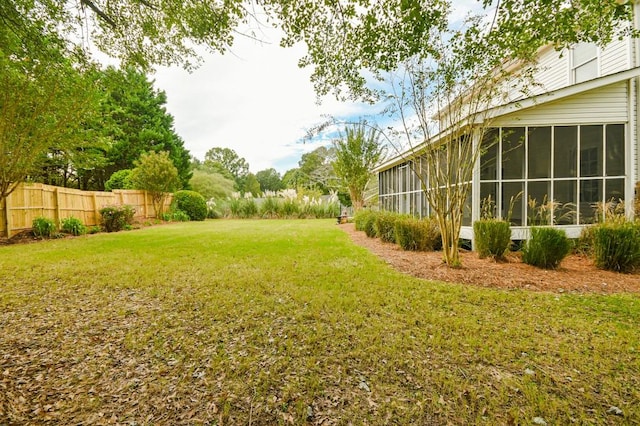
<point>576,273</point>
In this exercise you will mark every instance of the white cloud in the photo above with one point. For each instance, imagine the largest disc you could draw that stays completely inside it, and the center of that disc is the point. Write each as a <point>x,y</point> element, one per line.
<point>254,100</point>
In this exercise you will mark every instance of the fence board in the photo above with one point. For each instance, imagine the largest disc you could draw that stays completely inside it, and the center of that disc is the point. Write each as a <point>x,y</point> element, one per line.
<point>30,201</point>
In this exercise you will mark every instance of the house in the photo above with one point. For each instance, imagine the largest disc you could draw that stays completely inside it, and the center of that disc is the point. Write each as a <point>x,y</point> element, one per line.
<point>573,141</point>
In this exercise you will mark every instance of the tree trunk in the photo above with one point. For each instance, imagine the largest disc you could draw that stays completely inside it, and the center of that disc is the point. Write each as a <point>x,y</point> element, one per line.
<point>3,215</point>
<point>356,200</point>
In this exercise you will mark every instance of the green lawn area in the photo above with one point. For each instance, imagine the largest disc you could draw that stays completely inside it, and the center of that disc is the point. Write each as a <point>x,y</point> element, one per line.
<point>287,322</point>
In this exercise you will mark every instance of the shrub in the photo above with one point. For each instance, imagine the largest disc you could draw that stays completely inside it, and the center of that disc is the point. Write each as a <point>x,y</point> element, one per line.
<point>492,237</point>
<point>290,208</point>
<point>180,216</point>
<point>369,224</point>
<point>116,218</point>
<point>270,208</point>
<point>584,244</point>
<point>385,226</point>
<point>43,227</point>
<point>248,208</point>
<point>73,226</point>
<point>214,211</point>
<point>616,246</point>
<point>546,248</point>
<point>119,180</point>
<point>360,219</point>
<point>93,230</point>
<point>191,203</point>
<point>417,234</point>
<point>234,207</point>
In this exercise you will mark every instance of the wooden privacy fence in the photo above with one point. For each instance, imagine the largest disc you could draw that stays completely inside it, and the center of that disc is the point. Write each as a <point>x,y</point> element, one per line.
<point>30,201</point>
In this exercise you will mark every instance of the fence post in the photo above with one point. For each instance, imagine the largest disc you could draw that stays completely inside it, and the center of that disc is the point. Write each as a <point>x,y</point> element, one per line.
<point>57,211</point>
<point>144,204</point>
<point>96,213</point>
<point>6,219</point>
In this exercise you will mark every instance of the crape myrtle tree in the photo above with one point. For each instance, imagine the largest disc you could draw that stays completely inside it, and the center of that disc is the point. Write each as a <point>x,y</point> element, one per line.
<point>156,174</point>
<point>357,152</point>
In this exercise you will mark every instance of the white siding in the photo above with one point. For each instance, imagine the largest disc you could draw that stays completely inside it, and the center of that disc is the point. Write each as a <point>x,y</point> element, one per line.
<point>553,70</point>
<point>615,57</point>
<point>605,105</point>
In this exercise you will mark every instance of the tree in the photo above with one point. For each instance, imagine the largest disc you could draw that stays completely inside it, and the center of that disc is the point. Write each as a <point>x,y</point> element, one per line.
<point>135,120</point>
<point>155,173</point>
<point>293,178</point>
<point>357,152</point>
<point>226,160</point>
<point>212,185</point>
<point>251,185</point>
<point>315,170</point>
<point>269,180</point>
<point>130,118</point>
<point>44,101</point>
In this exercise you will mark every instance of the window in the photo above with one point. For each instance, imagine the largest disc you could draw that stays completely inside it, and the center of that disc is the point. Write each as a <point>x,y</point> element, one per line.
<point>553,172</point>
<point>513,152</point>
<point>584,62</point>
<point>539,152</point>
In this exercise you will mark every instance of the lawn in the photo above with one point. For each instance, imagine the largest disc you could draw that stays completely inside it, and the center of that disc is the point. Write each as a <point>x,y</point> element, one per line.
<point>288,322</point>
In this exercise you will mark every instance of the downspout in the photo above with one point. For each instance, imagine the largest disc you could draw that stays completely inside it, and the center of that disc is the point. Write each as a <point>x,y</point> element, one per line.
<point>475,187</point>
<point>634,135</point>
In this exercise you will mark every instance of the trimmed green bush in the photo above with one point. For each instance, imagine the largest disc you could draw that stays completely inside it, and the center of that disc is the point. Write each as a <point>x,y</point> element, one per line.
<point>74,226</point>
<point>43,227</point>
<point>385,225</point>
<point>616,246</point>
<point>116,218</point>
<point>369,224</point>
<point>546,248</point>
<point>492,237</point>
<point>417,234</point>
<point>360,219</point>
<point>119,180</point>
<point>190,202</point>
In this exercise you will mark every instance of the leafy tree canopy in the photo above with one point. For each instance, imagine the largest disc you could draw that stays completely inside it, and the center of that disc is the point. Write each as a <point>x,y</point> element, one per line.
<point>226,159</point>
<point>345,39</point>
<point>135,120</point>
<point>251,185</point>
<point>269,180</point>
<point>315,170</point>
<point>46,96</point>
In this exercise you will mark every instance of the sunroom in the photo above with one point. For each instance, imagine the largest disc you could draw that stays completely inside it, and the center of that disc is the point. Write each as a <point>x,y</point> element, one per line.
<point>554,160</point>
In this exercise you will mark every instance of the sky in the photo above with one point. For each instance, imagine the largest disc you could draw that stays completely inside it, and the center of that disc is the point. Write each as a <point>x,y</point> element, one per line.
<point>257,101</point>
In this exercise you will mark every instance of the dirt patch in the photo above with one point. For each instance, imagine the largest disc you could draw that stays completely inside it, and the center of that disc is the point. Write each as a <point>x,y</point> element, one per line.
<point>576,273</point>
